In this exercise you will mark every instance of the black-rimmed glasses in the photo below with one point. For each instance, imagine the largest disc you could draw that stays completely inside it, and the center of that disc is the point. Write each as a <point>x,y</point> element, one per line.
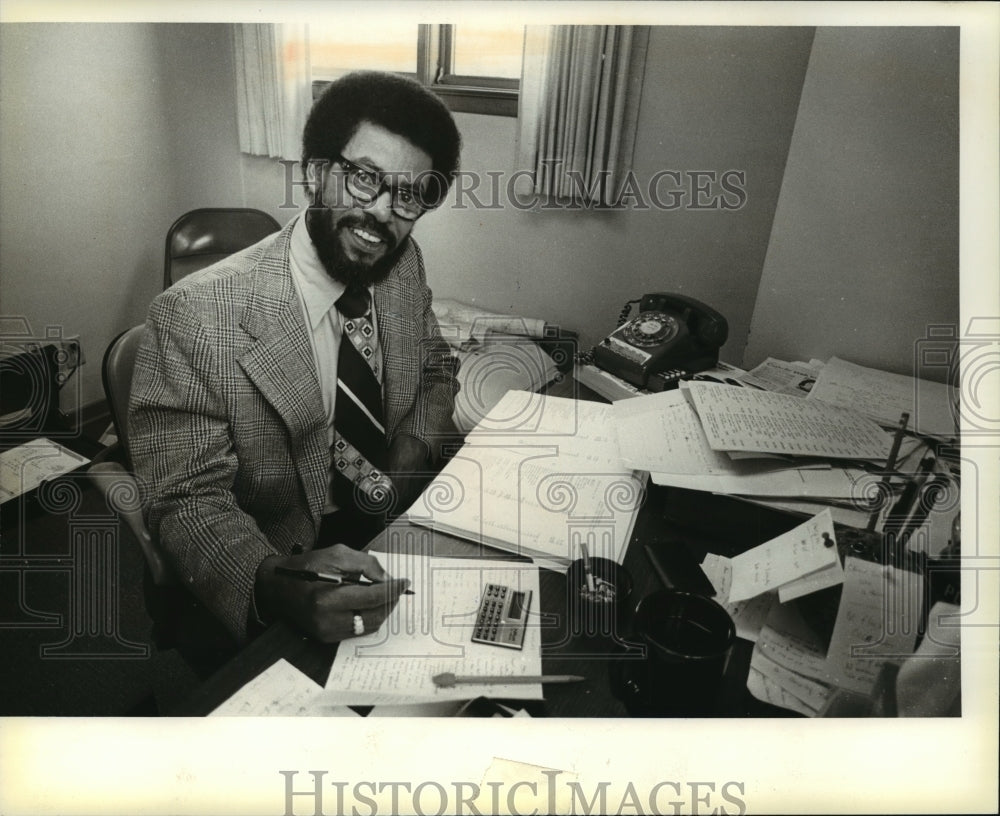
<point>365,185</point>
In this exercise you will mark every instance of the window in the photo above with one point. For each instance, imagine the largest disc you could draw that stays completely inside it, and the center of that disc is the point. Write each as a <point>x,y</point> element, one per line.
<point>474,68</point>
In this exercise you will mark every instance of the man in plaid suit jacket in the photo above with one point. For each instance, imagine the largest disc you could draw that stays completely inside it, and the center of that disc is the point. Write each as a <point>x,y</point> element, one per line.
<point>230,425</point>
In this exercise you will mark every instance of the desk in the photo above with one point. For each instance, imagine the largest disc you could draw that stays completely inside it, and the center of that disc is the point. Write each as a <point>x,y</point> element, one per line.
<point>667,523</point>
<point>680,525</point>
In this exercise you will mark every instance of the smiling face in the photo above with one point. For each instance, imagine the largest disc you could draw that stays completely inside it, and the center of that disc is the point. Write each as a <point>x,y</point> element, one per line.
<point>359,242</point>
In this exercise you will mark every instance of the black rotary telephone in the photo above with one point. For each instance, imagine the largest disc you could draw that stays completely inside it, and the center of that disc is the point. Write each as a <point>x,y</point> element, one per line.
<point>672,337</point>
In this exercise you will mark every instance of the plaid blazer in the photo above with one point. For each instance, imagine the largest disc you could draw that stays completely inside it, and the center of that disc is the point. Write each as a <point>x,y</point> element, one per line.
<point>226,422</point>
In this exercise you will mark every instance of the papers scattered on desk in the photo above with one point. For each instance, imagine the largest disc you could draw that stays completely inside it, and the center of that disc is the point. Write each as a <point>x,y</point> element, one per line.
<point>25,467</point>
<point>748,616</point>
<point>884,396</point>
<point>800,561</point>
<point>877,620</point>
<point>780,377</point>
<point>536,477</point>
<point>663,434</point>
<point>280,691</point>
<point>741,419</point>
<point>430,632</point>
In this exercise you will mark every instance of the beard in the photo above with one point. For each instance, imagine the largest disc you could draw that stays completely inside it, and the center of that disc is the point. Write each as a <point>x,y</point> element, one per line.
<point>324,232</point>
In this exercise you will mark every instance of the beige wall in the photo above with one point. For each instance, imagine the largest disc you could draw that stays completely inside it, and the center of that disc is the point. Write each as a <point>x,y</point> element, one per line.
<point>702,99</point>
<point>107,134</point>
<point>110,132</point>
<point>864,252</point>
<point>86,179</point>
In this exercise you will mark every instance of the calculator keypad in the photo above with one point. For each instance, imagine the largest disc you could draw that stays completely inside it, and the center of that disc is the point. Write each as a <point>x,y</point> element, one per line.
<point>494,624</point>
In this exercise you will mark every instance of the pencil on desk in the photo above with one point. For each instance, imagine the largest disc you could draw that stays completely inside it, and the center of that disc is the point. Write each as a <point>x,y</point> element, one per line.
<point>337,578</point>
<point>890,463</point>
<point>587,571</point>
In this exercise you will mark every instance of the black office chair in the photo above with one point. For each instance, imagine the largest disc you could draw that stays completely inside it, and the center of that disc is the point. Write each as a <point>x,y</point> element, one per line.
<point>201,237</point>
<point>114,478</point>
<point>179,620</point>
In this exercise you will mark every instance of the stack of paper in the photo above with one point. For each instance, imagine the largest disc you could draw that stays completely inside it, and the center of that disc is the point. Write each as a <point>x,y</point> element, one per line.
<point>702,443</point>
<point>793,665</point>
<point>884,396</point>
<point>877,621</point>
<point>799,437</point>
<point>538,476</point>
<point>430,632</point>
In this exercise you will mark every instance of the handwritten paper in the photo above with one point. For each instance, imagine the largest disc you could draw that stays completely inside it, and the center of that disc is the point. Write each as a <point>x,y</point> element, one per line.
<point>884,396</point>
<point>878,620</point>
<point>809,694</point>
<point>790,642</point>
<point>770,691</point>
<point>280,691</point>
<point>662,434</point>
<point>792,555</point>
<point>748,616</point>
<point>747,419</point>
<point>430,632</point>
<point>540,493</point>
<point>813,582</point>
<point>25,467</point>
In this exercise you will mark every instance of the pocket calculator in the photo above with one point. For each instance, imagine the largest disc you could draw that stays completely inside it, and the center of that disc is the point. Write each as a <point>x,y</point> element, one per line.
<point>503,614</point>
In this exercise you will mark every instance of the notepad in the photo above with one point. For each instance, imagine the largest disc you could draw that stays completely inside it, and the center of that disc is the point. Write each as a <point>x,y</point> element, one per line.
<point>430,632</point>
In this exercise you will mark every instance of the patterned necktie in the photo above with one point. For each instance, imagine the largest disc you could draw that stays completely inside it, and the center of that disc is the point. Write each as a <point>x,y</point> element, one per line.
<point>359,447</point>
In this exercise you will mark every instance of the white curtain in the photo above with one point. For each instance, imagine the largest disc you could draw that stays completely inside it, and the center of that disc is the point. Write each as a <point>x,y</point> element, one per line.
<point>579,103</point>
<point>273,93</point>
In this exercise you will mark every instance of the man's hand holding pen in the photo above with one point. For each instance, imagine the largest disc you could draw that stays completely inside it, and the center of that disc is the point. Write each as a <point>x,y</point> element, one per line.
<point>332,594</point>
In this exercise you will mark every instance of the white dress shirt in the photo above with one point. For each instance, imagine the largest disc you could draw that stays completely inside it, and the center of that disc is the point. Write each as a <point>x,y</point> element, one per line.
<point>318,293</point>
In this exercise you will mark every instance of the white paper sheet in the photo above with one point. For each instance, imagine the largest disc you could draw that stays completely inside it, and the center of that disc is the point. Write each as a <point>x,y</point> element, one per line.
<point>770,691</point>
<point>662,433</point>
<point>782,377</point>
<point>884,396</point>
<point>25,467</point>
<point>824,578</point>
<point>749,615</point>
<point>430,632</point>
<point>752,420</point>
<point>878,620</point>
<point>811,694</point>
<point>788,641</point>
<point>538,477</point>
<point>809,547</point>
<point>280,691</point>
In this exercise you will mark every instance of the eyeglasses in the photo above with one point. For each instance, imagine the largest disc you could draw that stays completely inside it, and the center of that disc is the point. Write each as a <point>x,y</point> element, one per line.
<point>365,185</point>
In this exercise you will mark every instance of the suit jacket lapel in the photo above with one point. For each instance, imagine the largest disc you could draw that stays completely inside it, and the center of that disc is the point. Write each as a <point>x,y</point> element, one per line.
<point>396,330</point>
<point>280,363</point>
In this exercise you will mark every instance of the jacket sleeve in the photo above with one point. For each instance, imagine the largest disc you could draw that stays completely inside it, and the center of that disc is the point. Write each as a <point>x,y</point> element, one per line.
<point>431,417</point>
<point>180,441</point>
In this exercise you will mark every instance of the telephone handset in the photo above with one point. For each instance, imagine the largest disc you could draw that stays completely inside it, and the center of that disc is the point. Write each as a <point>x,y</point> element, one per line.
<point>673,336</point>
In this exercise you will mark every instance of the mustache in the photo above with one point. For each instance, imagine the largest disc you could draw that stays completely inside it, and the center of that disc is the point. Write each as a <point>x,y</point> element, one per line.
<point>364,221</point>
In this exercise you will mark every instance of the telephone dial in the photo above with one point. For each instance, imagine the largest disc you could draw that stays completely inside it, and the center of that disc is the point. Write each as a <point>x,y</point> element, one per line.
<point>673,337</point>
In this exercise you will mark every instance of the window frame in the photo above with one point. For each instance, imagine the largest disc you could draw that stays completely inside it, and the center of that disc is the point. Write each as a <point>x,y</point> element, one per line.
<point>493,96</point>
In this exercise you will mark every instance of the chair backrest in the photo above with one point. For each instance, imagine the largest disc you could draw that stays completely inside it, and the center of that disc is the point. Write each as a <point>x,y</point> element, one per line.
<point>201,237</point>
<point>116,371</point>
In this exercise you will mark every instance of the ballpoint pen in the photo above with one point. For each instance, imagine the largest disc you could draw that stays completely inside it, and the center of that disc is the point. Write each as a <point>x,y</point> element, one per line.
<point>338,578</point>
